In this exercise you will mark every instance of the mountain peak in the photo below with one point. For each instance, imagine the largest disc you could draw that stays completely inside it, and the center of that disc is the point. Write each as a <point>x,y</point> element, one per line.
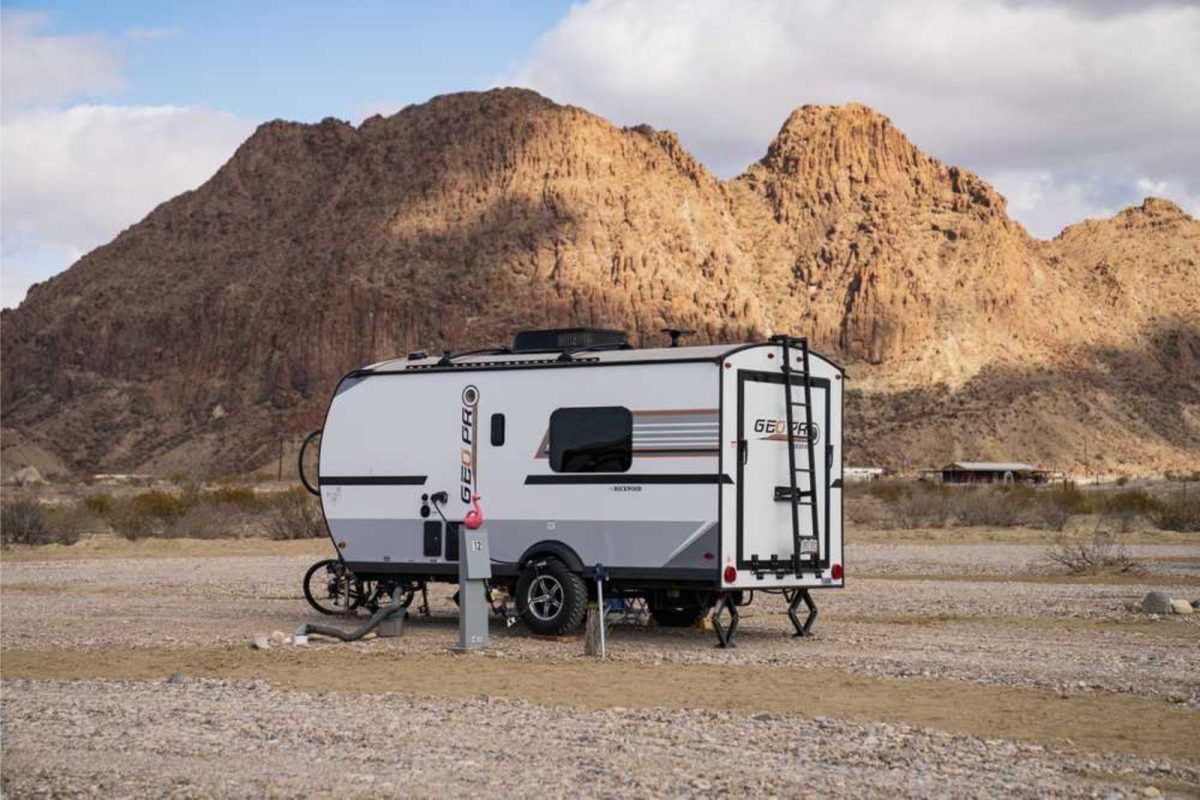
<point>851,137</point>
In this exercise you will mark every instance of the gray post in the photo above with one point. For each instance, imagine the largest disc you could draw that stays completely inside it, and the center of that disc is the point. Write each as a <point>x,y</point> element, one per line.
<point>474,571</point>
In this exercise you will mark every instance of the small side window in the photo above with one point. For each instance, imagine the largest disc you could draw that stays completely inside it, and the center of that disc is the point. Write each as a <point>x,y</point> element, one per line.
<point>591,439</point>
<point>497,430</point>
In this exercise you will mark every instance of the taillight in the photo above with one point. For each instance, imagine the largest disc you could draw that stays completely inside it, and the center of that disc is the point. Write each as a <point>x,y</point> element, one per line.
<point>730,574</point>
<point>835,572</point>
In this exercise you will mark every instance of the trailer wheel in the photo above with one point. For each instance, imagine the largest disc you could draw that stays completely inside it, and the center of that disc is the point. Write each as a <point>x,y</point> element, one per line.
<point>551,598</point>
<point>682,613</point>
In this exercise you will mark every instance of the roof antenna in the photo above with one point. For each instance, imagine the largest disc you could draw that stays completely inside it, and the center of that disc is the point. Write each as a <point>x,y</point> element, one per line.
<point>675,333</point>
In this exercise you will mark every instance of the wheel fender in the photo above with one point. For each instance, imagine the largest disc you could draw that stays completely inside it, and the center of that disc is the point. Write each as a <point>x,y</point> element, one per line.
<point>552,548</point>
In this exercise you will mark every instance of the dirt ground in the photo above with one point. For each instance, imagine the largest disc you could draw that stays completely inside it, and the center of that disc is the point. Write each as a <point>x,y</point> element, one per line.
<point>955,663</point>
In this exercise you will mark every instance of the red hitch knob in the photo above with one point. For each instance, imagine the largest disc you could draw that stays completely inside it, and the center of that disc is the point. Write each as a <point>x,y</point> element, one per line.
<point>474,518</point>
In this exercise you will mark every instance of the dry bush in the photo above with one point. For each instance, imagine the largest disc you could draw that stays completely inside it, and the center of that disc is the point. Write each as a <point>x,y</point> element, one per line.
<point>997,508</point>
<point>295,515</point>
<point>922,508</point>
<point>1052,515</point>
<point>162,506</point>
<point>1130,501</point>
<point>26,521</point>
<point>23,521</point>
<point>1101,556</point>
<point>70,522</point>
<point>242,497</point>
<point>1177,513</point>
<point>206,521</point>
<point>99,504</point>
<point>887,491</point>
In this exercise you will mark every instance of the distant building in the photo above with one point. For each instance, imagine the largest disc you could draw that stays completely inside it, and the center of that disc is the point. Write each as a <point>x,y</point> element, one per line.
<point>862,473</point>
<point>992,472</point>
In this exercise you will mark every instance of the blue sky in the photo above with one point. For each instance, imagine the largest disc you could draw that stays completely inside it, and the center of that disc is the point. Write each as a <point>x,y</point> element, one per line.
<point>302,61</point>
<point>1071,108</point>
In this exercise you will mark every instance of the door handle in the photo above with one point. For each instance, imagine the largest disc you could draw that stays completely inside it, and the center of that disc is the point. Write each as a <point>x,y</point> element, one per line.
<point>828,457</point>
<point>743,451</point>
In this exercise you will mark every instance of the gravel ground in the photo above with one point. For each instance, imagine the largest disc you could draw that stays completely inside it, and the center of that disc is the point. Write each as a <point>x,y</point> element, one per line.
<point>222,738</point>
<point>1013,632</point>
<point>988,614</point>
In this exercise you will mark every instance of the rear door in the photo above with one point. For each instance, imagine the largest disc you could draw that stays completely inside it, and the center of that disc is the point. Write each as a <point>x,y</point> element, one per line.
<point>764,510</point>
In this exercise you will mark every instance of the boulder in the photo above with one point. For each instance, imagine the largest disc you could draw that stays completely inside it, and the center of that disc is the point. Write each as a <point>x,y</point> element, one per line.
<point>260,643</point>
<point>28,476</point>
<point>1156,603</point>
<point>1181,607</point>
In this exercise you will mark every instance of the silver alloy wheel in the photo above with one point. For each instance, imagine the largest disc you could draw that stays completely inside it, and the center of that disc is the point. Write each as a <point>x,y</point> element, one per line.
<point>545,597</point>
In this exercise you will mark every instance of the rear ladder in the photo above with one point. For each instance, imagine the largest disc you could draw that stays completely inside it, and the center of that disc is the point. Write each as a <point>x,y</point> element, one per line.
<point>800,498</point>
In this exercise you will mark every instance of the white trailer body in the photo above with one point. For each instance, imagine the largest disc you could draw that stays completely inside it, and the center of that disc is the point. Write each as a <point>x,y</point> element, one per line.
<point>659,467</point>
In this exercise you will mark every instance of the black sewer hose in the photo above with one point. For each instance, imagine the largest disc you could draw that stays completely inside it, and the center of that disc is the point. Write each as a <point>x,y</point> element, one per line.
<point>371,624</point>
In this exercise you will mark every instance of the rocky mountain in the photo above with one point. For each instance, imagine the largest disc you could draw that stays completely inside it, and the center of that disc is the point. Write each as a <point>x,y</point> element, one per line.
<point>214,329</point>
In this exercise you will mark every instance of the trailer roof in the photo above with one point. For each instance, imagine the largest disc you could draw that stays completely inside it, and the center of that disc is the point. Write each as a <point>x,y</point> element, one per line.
<point>710,352</point>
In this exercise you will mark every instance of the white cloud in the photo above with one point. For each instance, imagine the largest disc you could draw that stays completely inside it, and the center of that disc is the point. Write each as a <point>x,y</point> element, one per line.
<point>45,69</point>
<point>1077,93</point>
<point>75,175</point>
<point>73,178</point>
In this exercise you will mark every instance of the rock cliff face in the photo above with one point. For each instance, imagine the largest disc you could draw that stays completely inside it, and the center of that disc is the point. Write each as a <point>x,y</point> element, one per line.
<point>201,336</point>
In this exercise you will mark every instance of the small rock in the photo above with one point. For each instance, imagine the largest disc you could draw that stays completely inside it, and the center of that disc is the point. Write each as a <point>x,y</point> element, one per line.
<point>1181,607</point>
<point>762,716</point>
<point>1152,791</point>
<point>1156,603</point>
<point>278,637</point>
<point>176,677</point>
<point>260,643</point>
<point>369,636</point>
<point>700,784</point>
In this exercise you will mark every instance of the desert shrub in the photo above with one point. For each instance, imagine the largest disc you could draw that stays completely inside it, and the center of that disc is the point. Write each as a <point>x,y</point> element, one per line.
<point>99,504</point>
<point>130,522</point>
<point>887,491</point>
<point>1130,501</point>
<point>23,521</point>
<point>26,521</point>
<point>161,506</point>
<point>1121,481</point>
<point>1067,496</point>
<point>1051,514</point>
<point>207,521</point>
<point>997,508</point>
<point>1177,513</point>
<point>295,515</point>
<point>68,523</point>
<point>242,497</point>
<point>1102,555</point>
<point>921,508</point>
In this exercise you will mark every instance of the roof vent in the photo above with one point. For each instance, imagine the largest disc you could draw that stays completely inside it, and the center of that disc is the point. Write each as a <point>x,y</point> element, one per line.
<point>559,339</point>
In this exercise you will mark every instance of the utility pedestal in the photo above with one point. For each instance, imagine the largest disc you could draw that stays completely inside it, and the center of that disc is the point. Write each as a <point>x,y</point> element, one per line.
<point>474,571</point>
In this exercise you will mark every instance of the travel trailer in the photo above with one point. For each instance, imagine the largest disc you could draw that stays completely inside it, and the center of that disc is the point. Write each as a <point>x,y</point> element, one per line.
<point>690,477</point>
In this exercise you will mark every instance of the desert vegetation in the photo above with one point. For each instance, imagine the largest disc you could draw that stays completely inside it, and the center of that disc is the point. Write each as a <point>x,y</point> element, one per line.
<point>189,511</point>
<point>920,504</point>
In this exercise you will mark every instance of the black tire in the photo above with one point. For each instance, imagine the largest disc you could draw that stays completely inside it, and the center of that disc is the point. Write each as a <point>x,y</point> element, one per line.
<point>678,612</point>
<point>331,588</point>
<point>551,599</point>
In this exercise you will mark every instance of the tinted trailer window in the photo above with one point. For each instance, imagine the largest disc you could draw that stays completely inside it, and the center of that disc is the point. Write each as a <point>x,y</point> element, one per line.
<point>591,439</point>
